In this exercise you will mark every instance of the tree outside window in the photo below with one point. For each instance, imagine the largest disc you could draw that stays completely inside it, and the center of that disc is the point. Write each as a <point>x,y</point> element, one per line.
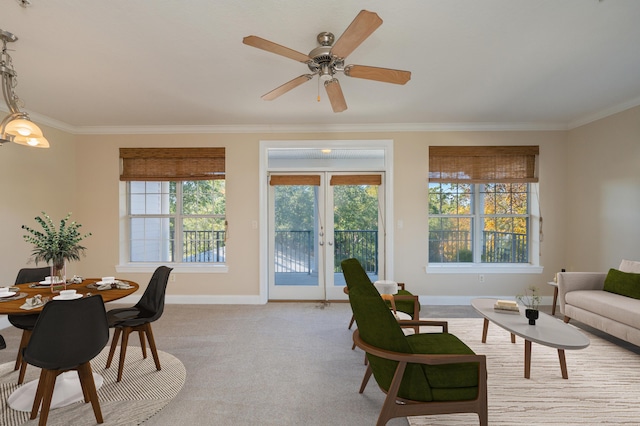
<point>177,221</point>
<point>478,223</point>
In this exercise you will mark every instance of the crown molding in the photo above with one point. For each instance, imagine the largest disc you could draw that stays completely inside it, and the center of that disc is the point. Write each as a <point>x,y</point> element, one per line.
<point>604,113</point>
<point>323,128</point>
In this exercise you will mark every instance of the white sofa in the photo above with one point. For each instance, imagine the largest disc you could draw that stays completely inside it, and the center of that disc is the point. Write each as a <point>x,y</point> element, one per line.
<point>582,298</point>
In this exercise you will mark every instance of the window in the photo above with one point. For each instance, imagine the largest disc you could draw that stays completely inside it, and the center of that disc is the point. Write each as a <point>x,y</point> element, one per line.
<point>480,223</point>
<point>479,204</point>
<point>175,205</point>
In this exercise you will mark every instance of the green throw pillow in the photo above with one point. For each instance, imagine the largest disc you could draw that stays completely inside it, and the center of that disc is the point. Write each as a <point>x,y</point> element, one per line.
<point>623,283</point>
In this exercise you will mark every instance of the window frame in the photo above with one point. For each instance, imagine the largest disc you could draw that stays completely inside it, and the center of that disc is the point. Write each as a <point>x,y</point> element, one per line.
<point>467,155</point>
<point>477,217</point>
<point>164,165</point>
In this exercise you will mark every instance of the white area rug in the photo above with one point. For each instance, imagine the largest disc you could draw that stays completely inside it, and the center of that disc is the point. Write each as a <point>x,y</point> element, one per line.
<point>603,385</point>
<point>142,392</point>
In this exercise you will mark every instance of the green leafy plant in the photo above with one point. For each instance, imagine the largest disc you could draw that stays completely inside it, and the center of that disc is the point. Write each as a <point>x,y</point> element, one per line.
<point>531,299</point>
<point>55,245</point>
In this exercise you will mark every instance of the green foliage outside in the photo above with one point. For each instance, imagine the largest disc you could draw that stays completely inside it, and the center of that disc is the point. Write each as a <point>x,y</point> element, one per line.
<point>503,209</point>
<point>355,209</point>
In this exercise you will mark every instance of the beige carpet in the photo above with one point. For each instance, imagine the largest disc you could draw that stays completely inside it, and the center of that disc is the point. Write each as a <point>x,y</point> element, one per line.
<point>142,392</point>
<point>602,387</point>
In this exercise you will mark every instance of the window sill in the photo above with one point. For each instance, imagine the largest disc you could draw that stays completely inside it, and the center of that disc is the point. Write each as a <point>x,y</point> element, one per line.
<point>181,268</point>
<point>460,268</point>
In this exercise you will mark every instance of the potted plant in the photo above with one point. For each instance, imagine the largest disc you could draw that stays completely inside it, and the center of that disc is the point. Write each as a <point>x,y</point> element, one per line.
<point>55,246</point>
<point>531,299</point>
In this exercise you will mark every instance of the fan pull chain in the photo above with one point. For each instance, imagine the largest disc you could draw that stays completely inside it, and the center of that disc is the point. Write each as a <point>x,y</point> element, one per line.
<point>318,89</point>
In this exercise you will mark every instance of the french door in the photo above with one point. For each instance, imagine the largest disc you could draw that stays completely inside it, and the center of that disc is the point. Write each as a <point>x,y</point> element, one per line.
<point>316,220</point>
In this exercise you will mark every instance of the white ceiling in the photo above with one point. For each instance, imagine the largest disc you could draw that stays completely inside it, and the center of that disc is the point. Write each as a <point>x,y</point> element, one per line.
<point>108,65</point>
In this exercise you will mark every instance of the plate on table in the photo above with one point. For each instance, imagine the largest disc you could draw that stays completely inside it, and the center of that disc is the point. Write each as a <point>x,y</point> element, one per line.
<point>7,294</point>
<point>105,282</point>
<point>74,297</point>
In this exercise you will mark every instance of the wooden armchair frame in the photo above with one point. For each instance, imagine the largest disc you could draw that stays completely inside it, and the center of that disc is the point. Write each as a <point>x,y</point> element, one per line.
<point>395,406</point>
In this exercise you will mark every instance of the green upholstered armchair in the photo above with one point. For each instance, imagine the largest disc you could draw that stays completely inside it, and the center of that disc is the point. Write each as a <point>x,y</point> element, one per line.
<point>428,373</point>
<point>405,301</point>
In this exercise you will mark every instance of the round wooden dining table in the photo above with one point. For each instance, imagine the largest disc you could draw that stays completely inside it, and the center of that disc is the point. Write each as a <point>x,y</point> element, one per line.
<point>12,305</point>
<point>68,389</point>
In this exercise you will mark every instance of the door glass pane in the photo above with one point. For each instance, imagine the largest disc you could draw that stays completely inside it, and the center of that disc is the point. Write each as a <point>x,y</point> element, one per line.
<point>355,228</point>
<point>296,233</point>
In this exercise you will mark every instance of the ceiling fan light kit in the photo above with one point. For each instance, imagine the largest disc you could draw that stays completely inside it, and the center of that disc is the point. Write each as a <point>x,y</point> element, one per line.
<point>328,58</point>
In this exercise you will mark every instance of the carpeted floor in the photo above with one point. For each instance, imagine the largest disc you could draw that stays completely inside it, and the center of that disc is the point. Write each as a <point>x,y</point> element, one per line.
<point>292,364</point>
<point>142,392</point>
<point>602,387</point>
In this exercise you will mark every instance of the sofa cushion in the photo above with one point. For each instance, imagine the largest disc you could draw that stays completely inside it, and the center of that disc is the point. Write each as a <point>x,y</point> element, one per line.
<point>609,305</point>
<point>629,266</point>
<point>622,283</point>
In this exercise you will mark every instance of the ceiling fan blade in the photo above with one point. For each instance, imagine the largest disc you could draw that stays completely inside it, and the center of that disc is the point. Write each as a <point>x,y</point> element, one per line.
<point>334,92</point>
<point>286,87</point>
<point>362,27</point>
<point>384,75</point>
<point>272,47</point>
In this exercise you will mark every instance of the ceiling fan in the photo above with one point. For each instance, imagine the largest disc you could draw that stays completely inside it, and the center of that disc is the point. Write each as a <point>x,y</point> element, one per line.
<point>328,59</point>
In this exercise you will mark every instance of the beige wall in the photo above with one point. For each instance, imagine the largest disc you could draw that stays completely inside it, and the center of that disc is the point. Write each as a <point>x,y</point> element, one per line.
<point>603,203</point>
<point>33,180</point>
<point>80,174</point>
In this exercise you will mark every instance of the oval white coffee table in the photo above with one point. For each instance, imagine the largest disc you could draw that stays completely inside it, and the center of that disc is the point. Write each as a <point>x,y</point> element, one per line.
<point>548,331</point>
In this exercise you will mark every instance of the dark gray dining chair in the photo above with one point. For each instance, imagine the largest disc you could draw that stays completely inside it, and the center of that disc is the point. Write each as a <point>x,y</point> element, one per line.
<point>139,318</point>
<point>66,337</point>
<point>28,321</point>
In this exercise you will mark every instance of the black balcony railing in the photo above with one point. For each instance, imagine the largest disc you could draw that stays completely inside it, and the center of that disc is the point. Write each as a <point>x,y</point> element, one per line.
<point>203,246</point>
<point>504,247</point>
<point>294,250</point>
<point>497,247</point>
<point>362,245</point>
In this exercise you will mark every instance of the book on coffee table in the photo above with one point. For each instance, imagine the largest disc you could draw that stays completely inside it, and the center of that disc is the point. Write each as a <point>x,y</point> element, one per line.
<point>506,305</point>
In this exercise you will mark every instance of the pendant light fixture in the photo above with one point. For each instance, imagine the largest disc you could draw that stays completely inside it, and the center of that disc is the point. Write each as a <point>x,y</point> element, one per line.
<point>17,126</point>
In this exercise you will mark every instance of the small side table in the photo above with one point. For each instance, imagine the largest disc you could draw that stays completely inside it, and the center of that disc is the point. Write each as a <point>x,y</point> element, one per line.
<point>555,296</point>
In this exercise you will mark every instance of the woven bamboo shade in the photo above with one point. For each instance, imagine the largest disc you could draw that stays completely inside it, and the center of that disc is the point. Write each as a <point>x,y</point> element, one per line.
<point>483,164</point>
<point>313,180</point>
<point>172,164</point>
<point>356,180</point>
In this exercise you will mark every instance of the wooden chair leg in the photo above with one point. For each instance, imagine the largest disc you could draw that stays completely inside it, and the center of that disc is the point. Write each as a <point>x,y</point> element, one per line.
<point>24,340</point>
<point>143,330</point>
<point>365,379</point>
<point>45,397</point>
<point>351,322</point>
<point>123,350</point>
<point>143,345</point>
<point>114,344</point>
<point>38,397</point>
<point>89,389</point>
<point>388,407</point>
<point>152,345</point>
<point>23,370</point>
